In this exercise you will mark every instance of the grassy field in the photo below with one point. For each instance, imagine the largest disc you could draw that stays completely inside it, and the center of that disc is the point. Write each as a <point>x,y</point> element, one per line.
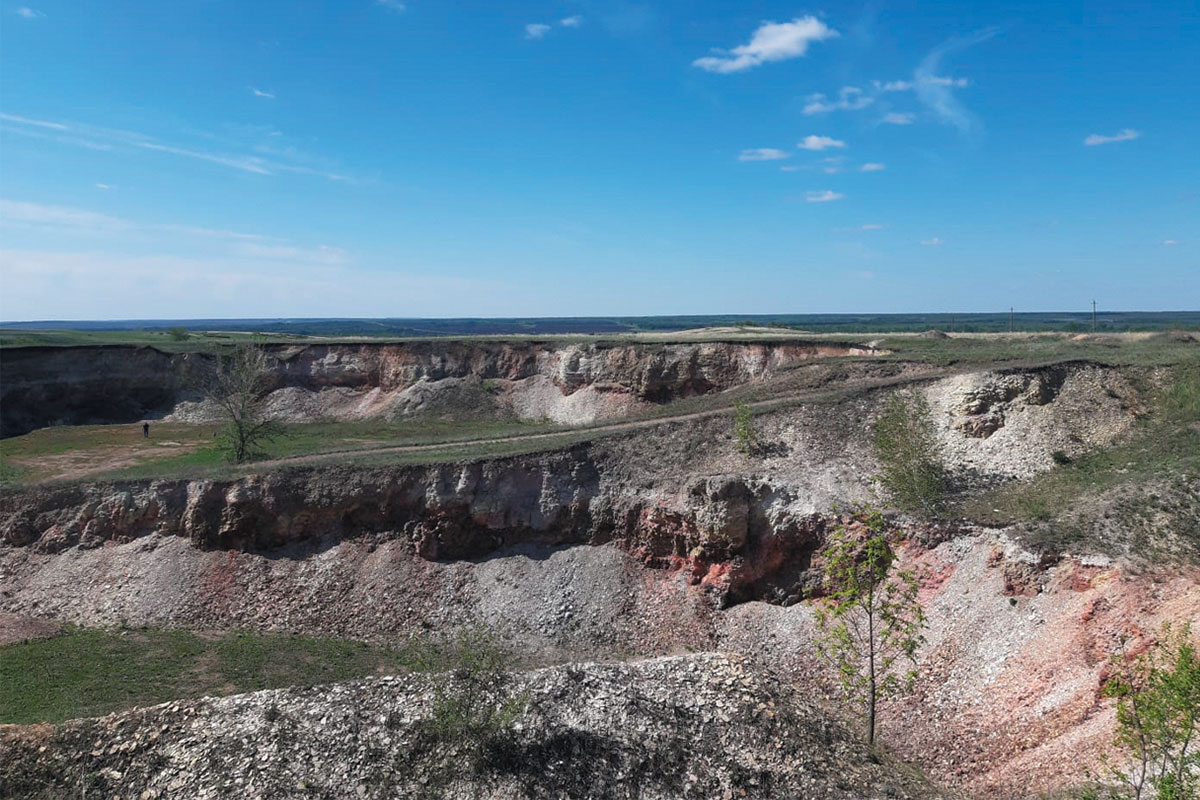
<point>88,672</point>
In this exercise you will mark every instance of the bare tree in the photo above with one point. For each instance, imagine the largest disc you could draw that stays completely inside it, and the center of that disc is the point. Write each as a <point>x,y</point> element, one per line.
<point>238,387</point>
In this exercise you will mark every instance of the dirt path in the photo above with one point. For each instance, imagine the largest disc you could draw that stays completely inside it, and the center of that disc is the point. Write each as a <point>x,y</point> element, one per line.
<point>611,428</point>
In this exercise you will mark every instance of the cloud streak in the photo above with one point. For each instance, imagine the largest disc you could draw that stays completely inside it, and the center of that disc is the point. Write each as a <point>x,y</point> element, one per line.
<point>536,30</point>
<point>762,154</point>
<point>92,137</point>
<point>937,92</point>
<point>772,41</point>
<point>1126,135</point>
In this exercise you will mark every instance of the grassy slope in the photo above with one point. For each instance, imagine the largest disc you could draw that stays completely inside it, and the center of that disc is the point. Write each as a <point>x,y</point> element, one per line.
<point>1140,496</point>
<point>85,673</point>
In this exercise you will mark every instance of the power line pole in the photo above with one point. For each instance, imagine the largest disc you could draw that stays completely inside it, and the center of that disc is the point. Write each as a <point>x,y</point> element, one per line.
<point>1093,316</point>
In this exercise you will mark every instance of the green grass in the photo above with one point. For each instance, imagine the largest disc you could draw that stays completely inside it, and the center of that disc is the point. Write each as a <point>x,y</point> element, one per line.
<point>84,673</point>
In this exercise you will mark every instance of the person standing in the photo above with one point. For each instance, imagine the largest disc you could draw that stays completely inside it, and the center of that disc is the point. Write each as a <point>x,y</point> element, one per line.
<point>145,430</point>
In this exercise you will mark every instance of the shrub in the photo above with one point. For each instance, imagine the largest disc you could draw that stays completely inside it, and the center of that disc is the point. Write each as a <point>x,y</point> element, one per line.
<point>744,433</point>
<point>911,467</point>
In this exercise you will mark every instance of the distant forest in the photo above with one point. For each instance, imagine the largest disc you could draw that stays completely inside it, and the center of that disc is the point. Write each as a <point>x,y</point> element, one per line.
<point>1067,321</point>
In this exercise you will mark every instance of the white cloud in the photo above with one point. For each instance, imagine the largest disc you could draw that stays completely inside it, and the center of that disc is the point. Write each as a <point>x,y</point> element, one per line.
<point>789,168</point>
<point>872,167</point>
<point>285,159</point>
<point>1169,242</point>
<point>22,214</point>
<point>819,143</point>
<point>773,41</point>
<point>823,197</point>
<point>28,13</point>
<point>536,30</point>
<point>37,123</point>
<point>391,5</point>
<point>245,163</point>
<point>261,93</point>
<point>850,98</point>
<point>315,255</point>
<point>103,186</point>
<point>934,242</point>
<point>898,118</point>
<point>892,86</point>
<point>870,226</point>
<point>1126,135</point>
<point>62,219</point>
<point>937,92</point>
<point>762,154</point>
<point>573,21</point>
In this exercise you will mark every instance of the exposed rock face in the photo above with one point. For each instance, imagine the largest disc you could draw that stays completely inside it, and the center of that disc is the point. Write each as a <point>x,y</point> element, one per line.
<point>723,536</point>
<point>704,726</point>
<point>83,385</point>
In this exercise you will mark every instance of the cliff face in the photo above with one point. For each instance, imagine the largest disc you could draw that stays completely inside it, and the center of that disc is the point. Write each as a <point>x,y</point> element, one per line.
<point>86,385</point>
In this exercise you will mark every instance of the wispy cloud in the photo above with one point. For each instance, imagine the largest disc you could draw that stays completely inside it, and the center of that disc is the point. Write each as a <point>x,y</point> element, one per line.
<point>762,154</point>
<point>937,92</point>
<point>1126,135</point>
<point>283,159</point>
<point>871,226</point>
<point>391,5</point>
<point>37,123</point>
<point>898,118</point>
<point>26,12</point>
<point>934,242</point>
<point>261,93</point>
<point>244,163</point>
<point>103,186</point>
<point>872,167</point>
<point>63,219</point>
<point>826,196</point>
<point>850,98</point>
<point>819,143</point>
<point>892,86</point>
<point>536,30</point>
<point>1170,242</point>
<point>773,41</point>
<point>789,168</point>
<point>573,21</point>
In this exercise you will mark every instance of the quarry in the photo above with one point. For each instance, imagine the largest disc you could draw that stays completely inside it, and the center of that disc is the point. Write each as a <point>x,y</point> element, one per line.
<point>650,570</point>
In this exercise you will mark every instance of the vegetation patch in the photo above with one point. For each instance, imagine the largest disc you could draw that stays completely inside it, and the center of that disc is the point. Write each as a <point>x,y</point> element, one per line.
<point>89,672</point>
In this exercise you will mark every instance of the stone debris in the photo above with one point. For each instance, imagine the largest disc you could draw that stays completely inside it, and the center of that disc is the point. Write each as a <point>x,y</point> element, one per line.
<point>697,726</point>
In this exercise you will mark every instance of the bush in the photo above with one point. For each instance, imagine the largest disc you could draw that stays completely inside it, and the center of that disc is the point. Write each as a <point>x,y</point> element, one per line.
<point>744,433</point>
<point>474,710</point>
<point>911,467</point>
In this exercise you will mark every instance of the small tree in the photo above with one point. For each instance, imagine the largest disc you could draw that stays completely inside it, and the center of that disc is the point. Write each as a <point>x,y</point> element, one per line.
<point>1158,719</point>
<point>238,387</point>
<point>911,467</point>
<point>744,432</point>
<point>870,620</point>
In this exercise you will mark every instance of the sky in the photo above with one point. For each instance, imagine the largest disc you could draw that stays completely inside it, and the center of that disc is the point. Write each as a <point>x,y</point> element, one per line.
<point>379,158</point>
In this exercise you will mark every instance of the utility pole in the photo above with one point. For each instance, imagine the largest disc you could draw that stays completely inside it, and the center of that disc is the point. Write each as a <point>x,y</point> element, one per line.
<point>1093,316</point>
<point>1011,311</point>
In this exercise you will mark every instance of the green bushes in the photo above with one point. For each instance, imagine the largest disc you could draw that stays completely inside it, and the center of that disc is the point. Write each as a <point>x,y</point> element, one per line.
<point>910,465</point>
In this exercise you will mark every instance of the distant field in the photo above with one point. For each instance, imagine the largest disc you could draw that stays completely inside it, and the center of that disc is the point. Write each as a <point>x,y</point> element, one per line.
<point>146,331</point>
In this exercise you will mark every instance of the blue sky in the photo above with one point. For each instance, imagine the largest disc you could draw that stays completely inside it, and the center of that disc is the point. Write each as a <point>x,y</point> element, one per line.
<point>368,158</point>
